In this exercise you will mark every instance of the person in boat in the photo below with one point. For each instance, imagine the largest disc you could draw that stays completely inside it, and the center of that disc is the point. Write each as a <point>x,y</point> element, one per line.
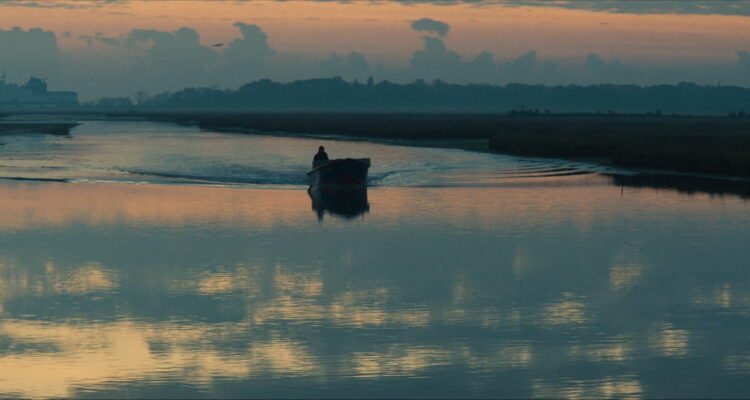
<point>321,155</point>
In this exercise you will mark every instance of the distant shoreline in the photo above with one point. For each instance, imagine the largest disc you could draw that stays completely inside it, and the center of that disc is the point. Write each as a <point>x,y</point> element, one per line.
<point>707,145</point>
<point>479,145</point>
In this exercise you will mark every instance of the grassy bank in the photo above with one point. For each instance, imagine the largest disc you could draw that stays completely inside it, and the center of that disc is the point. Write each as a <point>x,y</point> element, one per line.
<point>35,128</point>
<point>403,126</point>
<point>690,144</point>
<point>429,130</point>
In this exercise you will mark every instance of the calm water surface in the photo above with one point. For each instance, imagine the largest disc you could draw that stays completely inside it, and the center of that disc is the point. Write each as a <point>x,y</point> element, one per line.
<point>152,260</point>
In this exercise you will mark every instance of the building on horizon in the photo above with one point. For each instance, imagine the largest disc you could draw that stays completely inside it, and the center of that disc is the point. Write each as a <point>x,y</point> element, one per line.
<point>34,96</point>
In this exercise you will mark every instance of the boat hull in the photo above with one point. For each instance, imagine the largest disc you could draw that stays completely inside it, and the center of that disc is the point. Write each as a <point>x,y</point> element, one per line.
<point>347,171</point>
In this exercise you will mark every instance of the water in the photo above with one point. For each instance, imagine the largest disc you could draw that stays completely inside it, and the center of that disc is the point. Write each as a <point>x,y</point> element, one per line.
<point>147,152</point>
<point>168,262</point>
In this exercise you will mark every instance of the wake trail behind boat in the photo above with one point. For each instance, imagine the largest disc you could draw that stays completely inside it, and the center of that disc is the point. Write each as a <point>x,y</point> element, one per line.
<point>155,153</point>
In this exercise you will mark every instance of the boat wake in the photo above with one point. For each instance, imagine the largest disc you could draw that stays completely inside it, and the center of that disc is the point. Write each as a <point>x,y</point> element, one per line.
<point>486,175</point>
<point>388,175</point>
<point>148,153</point>
<point>250,177</point>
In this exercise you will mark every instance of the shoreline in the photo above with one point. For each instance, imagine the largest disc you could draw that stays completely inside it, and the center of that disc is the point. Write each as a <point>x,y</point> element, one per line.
<point>439,137</point>
<point>715,147</point>
<point>708,146</point>
<point>477,145</point>
<point>681,181</point>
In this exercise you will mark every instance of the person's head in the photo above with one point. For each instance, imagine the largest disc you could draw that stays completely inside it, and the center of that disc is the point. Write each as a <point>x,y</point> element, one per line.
<point>321,148</point>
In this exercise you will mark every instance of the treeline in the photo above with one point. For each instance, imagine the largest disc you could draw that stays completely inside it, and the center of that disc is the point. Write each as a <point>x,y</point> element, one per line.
<point>335,94</point>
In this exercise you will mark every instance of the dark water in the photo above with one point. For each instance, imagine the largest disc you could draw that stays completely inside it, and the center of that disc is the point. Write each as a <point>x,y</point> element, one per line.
<point>176,263</point>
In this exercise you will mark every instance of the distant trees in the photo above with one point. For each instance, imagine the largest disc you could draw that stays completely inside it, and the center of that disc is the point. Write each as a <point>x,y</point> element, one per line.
<point>738,114</point>
<point>336,94</point>
<point>110,104</point>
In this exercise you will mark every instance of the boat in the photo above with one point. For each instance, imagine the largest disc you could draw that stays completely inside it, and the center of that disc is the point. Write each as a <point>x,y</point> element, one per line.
<point>343,171</point>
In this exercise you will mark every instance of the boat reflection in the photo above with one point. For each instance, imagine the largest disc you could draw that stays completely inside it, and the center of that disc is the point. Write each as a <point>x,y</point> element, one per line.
<point>342,201</point>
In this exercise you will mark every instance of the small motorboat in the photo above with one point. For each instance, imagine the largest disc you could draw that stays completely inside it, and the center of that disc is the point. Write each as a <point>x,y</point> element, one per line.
<point>342,171</point>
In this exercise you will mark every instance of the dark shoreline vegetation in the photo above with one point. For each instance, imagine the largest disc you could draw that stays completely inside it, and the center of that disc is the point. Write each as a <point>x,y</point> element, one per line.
<point>338,95</point>
<point>702,145</point>
<point>40,128</point>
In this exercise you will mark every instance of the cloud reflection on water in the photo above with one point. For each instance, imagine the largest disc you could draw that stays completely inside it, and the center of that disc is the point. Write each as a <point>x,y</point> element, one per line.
<point>475,291</point>
<point>591,200</point>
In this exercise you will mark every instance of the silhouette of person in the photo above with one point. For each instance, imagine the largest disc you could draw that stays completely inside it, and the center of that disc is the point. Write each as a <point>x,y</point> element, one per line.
<point>321,154</point>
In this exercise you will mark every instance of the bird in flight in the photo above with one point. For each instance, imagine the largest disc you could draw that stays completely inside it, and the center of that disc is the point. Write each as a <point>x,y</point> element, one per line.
<point>219,45</point>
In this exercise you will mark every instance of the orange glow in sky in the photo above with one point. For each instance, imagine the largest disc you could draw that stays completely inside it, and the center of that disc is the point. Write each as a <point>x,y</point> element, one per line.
<point>381,30</point>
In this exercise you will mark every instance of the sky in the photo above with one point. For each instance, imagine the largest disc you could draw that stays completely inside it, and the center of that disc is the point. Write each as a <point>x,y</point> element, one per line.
<point>121,47</point>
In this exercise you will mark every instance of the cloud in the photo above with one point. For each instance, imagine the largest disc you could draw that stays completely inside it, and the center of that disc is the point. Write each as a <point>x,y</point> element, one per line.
<point>430,25</point>
<point>594,62</point>
<point>526,61</point>
<point>157,61</point>
<point>65,4</point>
<point>483,68</point>
<point>523,69</point>
<point>353,66</point>
<point>252,48</point>
<point>700,7</point>
<point>172,59</point>
<point>29,52</point>
<point>143,59</point>
<point>99,37</point>
<point>597,70</point>
<point>435,60</point>
<point>743,60</point>
<point>247,56</point>
<point>178,50</point>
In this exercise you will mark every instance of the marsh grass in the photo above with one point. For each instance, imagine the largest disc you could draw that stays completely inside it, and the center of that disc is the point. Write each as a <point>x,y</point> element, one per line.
<point>691,144</point>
